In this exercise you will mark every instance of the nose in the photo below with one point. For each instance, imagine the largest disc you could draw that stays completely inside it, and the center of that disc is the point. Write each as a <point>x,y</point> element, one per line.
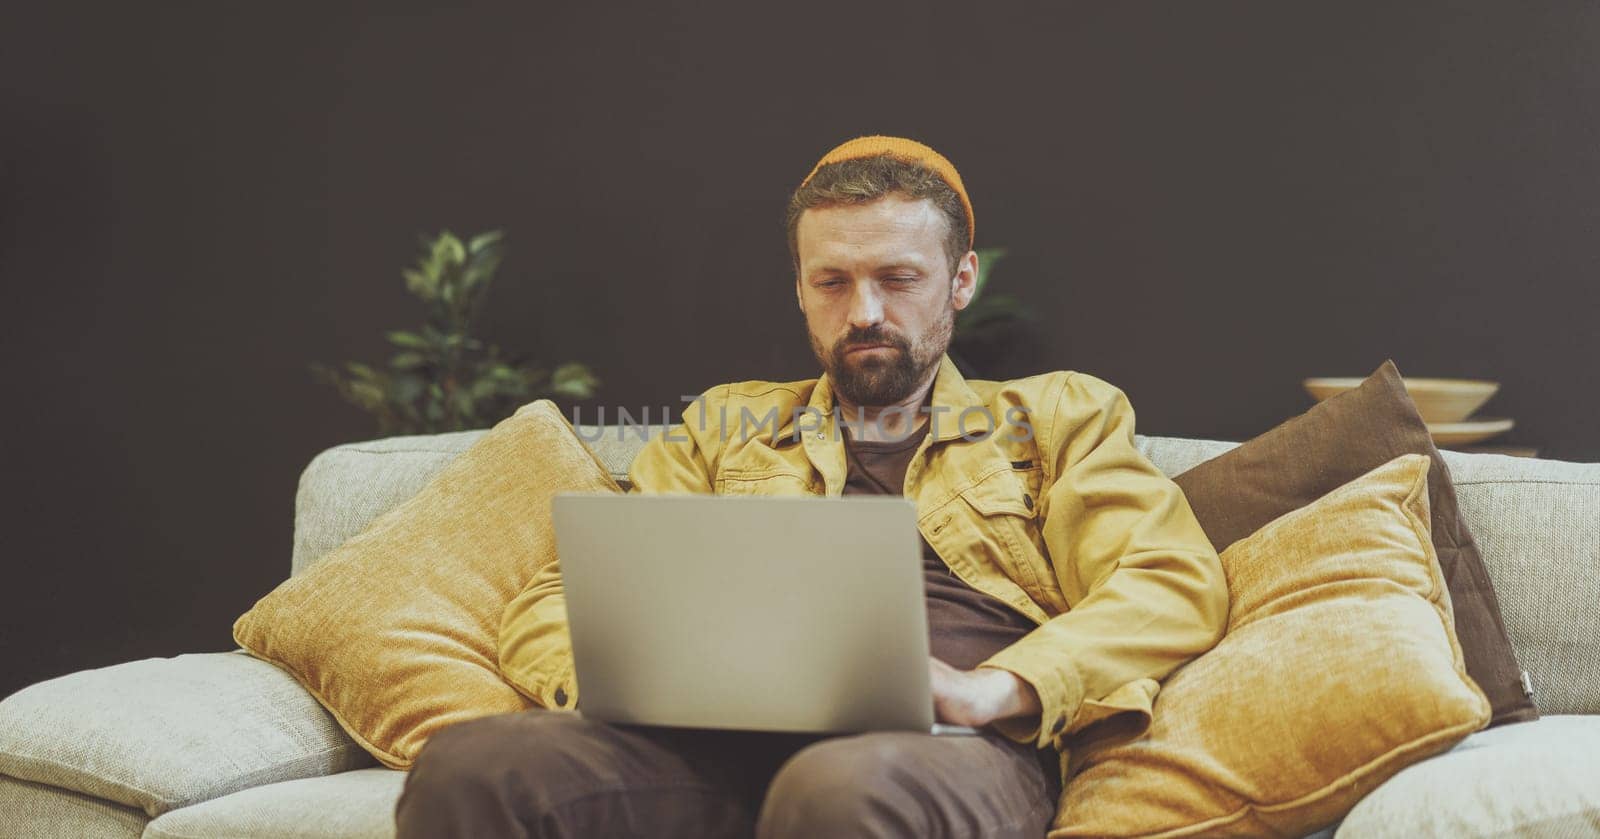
<point>866,306</point>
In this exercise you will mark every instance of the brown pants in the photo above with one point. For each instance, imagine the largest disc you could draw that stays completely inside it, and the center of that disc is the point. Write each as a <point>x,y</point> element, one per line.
<point>543,773</point>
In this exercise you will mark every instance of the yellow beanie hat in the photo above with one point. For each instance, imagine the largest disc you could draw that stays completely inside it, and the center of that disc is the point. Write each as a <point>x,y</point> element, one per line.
<point>903,149</point>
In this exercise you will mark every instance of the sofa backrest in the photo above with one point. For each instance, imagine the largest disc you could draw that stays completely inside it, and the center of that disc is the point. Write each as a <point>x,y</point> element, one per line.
<point>1536,521</point>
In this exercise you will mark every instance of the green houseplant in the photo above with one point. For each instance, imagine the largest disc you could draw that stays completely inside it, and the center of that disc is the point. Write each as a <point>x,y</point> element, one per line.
<point>440,378</point>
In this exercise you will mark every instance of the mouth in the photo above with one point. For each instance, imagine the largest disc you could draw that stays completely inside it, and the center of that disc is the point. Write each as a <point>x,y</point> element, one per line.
<point>867,348</point>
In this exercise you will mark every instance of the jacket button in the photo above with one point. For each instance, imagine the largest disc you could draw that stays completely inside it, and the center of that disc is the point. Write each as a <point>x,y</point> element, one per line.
<point>1061,722</point>
<point>1027,501</point>
<point>561,697</point>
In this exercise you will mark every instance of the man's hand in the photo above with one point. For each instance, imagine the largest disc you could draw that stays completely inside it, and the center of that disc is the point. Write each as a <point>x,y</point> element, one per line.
<point>979,697</point>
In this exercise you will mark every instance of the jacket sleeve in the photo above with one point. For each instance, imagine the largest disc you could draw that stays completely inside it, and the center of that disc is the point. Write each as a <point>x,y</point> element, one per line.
<point>1145,588</point>
<point>535,649</point>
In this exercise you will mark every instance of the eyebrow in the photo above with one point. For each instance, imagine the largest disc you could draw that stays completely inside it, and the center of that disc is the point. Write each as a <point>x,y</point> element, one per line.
<point>893,266</point>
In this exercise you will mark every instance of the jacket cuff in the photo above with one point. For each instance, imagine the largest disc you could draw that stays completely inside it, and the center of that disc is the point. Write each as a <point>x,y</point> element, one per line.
<point>558,692</point>
<point>1060,694</point>
<point>564,690</point>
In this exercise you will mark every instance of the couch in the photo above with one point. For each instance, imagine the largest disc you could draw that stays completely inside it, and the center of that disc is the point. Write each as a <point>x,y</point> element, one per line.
<point>221,744</point>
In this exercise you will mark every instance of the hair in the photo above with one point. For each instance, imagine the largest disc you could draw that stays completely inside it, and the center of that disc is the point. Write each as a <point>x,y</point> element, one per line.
<point>866,179</point>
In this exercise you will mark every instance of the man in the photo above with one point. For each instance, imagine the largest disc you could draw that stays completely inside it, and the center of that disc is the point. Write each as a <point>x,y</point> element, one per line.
<point>1065,575</point>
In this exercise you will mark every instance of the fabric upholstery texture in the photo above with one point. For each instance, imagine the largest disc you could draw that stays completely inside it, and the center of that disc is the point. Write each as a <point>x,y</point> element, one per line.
<point>394,631</point>
<point>1340,667</point>
<point>1539,532</point>
<point>1339,439</point>
<point>1532,779</point>
<point>349,805</point>
<point>38,811</point>
<point>346,487</point>
<point>162,733</point>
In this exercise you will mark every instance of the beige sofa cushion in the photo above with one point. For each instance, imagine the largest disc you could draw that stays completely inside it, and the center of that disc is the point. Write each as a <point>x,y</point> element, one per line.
<point>1340,666</point>
<point>350,805</point>
<point>163,733</point>
<point>1535,779</point>
<point>37,811</point>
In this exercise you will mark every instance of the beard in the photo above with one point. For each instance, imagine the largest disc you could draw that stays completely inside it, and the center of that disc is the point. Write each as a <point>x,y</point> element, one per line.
<point>883,379</point>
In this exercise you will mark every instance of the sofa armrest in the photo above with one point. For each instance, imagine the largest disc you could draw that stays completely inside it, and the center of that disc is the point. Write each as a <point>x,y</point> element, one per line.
<point>162,733</point>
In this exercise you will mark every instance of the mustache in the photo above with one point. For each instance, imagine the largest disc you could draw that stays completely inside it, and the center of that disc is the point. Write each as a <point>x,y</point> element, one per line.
<point>870,337</point>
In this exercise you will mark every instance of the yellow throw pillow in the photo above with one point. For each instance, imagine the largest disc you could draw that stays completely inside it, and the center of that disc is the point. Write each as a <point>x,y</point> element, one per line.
<point>1340,667</point>
<point>396,631</point>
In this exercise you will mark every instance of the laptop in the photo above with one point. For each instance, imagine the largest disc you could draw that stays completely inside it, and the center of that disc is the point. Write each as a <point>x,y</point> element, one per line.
<point>794,614</point>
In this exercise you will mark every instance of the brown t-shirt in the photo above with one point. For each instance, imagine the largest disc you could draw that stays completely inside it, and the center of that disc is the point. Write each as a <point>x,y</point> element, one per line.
<point>965,626</point>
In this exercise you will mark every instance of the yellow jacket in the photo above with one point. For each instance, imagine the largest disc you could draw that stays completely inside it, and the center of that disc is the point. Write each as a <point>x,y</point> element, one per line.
<point>1031,490</point>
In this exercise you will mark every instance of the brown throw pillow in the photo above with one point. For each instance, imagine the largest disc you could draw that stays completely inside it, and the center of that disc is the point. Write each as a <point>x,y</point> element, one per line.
<point>1340,439</point>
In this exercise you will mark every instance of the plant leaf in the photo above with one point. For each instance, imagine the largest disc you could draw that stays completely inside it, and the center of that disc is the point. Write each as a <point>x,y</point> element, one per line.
<point>410,340</point>
<point>484,240</point>
<point>451,249</point>
<point>409,360</point>
<point>420,283</point>
<point>574,380</point>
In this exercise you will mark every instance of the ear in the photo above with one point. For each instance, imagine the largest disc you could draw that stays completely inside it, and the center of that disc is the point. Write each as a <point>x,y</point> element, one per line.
<point>799,301</point>
<point>965,283</point>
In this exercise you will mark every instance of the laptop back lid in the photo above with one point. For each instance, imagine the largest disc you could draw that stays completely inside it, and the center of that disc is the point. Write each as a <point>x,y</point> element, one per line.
<point>759,613</point>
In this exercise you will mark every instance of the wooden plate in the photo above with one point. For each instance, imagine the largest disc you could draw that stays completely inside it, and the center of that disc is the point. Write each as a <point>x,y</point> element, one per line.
<point>1472,431</point>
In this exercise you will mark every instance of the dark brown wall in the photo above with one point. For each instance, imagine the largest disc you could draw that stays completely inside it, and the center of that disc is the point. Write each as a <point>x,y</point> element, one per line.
<point>1205,202</point>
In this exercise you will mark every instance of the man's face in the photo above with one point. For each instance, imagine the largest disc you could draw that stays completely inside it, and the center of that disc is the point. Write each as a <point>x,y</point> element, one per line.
<point>878,295</point>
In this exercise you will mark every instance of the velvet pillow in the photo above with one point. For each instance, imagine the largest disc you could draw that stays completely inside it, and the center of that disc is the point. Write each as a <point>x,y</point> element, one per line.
<point>1292,465</point>
<point>396,631</point>
<point>1339,668</point>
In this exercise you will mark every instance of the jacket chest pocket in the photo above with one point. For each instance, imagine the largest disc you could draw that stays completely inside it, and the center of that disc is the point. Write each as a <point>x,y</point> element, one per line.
<point>1003,523</point>
<point>771,483</point>
<point>760,469</point>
